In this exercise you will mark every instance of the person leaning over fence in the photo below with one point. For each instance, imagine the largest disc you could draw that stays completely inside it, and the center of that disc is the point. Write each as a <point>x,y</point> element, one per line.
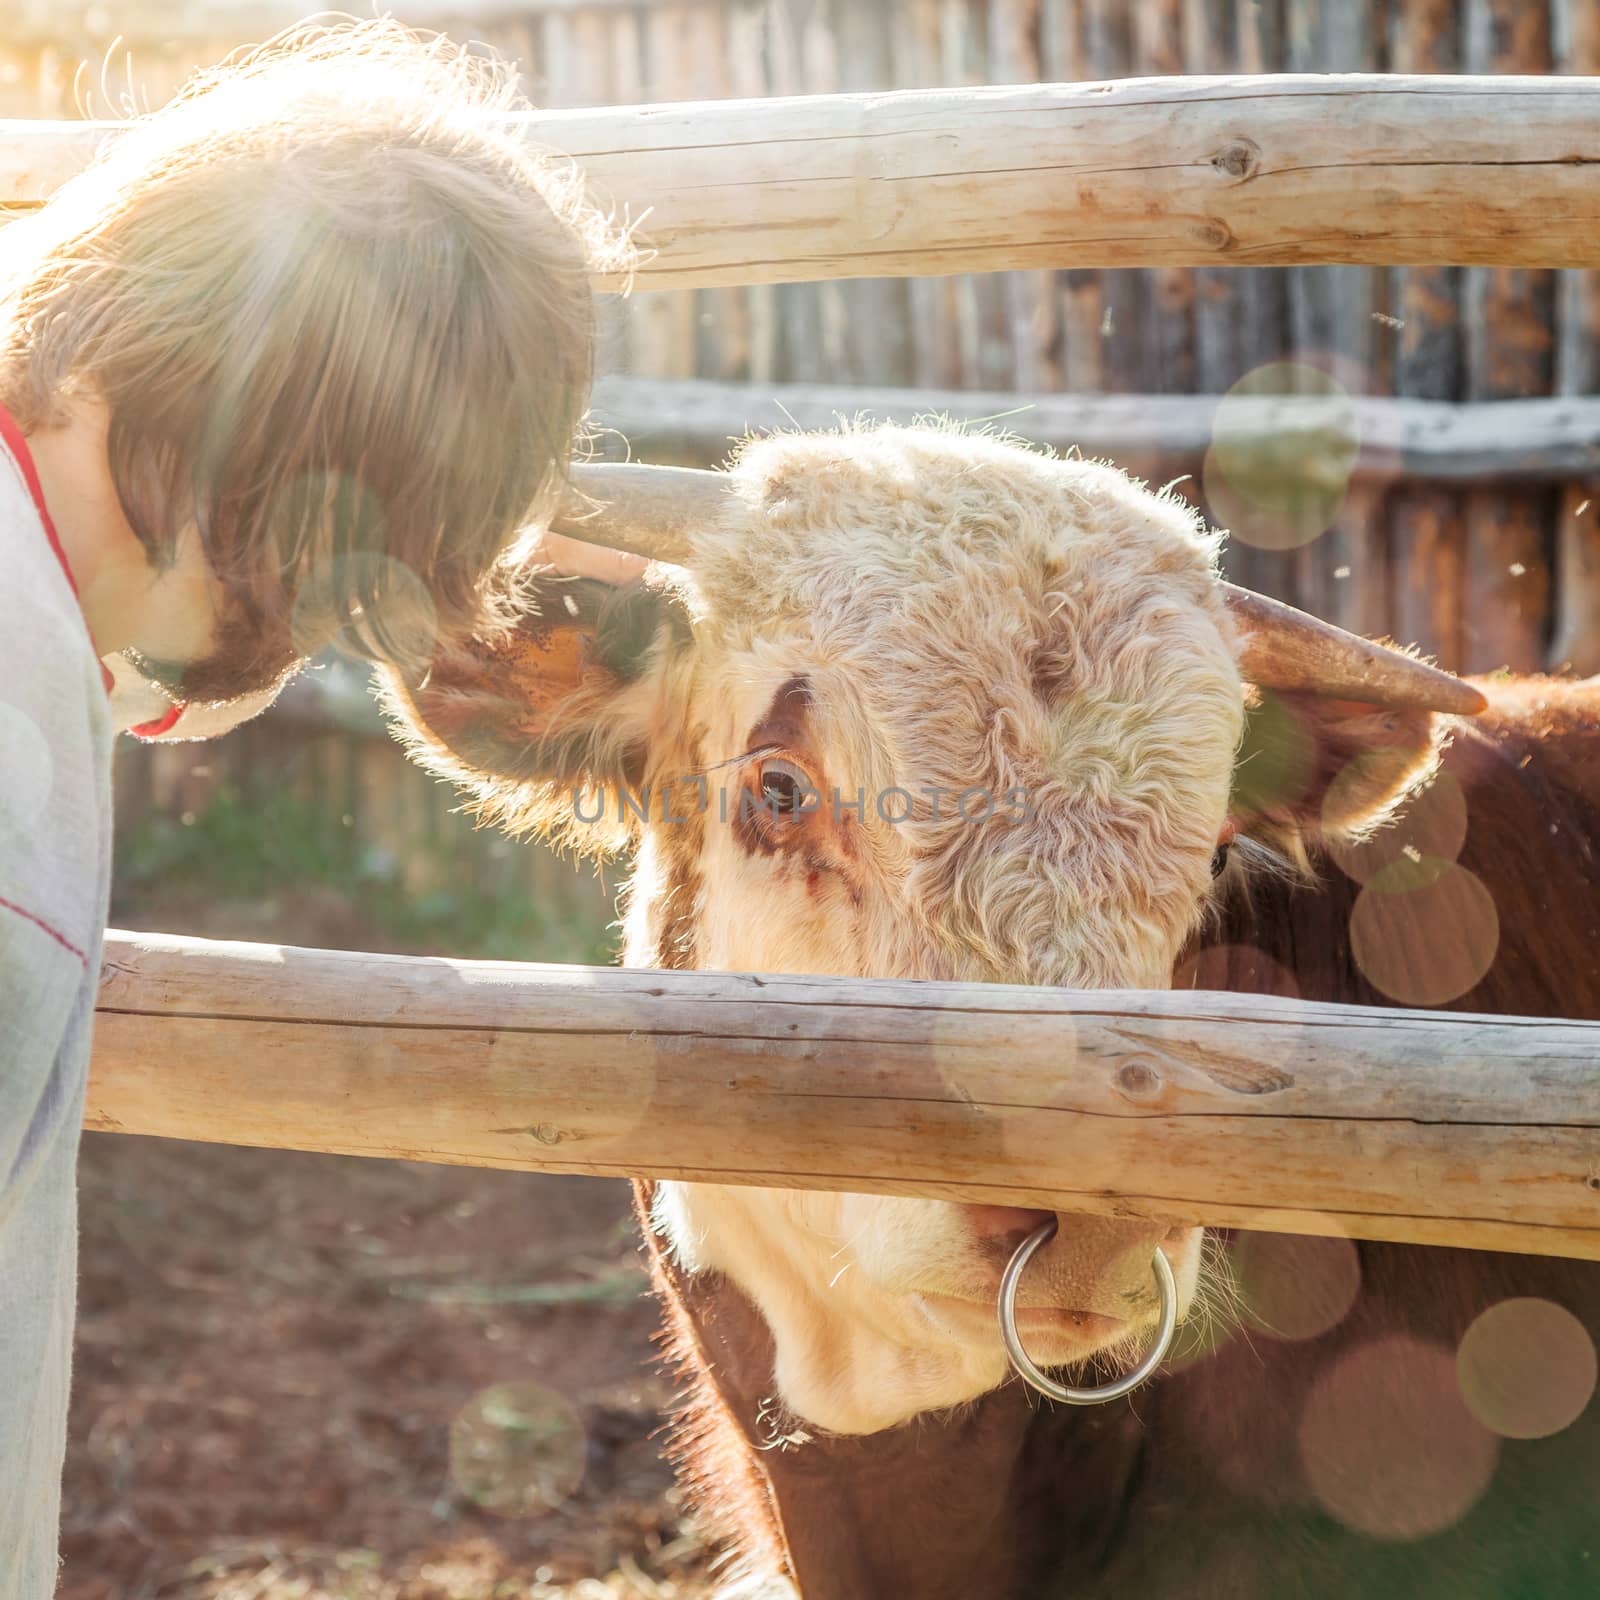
<point>288,364</point>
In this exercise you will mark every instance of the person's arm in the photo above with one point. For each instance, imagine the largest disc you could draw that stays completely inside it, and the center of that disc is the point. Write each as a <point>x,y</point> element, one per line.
<point>54,843</point>
<point>41,978</point>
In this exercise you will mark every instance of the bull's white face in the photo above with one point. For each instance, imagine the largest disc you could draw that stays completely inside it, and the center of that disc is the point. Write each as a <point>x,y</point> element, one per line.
<point>963,712</point>
<point>1038,651</point>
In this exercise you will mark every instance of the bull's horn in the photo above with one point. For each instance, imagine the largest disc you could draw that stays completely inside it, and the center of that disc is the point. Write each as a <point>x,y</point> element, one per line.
<point>656,511</point>
<point>651,511</point>
<point>1287,649</point>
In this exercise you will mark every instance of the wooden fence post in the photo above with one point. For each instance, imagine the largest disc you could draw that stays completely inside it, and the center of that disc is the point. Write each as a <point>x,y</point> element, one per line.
<point>1509,353</point>
<point>1426,530</point>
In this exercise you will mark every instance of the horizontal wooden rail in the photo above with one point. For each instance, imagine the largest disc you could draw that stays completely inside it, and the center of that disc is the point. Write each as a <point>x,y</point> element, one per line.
<point>1538,440</point>
<point>1245,1110</point>
<point>1244,171</point>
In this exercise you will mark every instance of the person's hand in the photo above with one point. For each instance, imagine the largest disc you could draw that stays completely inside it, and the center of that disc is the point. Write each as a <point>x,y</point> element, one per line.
<point>572,558</point>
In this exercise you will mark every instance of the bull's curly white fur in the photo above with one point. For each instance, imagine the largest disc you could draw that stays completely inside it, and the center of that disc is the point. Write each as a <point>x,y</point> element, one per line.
<point>971,613</point>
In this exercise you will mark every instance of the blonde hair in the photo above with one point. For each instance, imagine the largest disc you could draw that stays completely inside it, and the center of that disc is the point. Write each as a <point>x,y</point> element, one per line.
<point>340,313</point>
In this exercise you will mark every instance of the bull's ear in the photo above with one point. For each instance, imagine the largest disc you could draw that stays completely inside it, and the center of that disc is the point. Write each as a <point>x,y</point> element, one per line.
<point>543,722</point>
<point>1314,771</point>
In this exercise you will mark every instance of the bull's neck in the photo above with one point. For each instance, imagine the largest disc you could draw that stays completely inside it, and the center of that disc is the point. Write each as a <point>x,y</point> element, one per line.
<point>999,1499</point>
<point>1003,1498</point>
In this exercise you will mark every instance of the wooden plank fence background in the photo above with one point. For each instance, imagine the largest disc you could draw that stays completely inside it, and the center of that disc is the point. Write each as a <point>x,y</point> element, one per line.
<point>1500,572</point>
<point>1483,577</point>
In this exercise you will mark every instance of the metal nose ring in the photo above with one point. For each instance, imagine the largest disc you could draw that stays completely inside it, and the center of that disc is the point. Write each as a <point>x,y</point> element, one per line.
<point>1023,1363</point>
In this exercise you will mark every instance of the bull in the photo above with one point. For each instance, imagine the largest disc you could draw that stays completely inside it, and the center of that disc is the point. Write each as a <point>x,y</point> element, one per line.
<point>932,615</point>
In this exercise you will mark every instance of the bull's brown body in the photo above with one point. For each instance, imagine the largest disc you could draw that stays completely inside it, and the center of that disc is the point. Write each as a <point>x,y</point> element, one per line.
<point>1196,1488</point>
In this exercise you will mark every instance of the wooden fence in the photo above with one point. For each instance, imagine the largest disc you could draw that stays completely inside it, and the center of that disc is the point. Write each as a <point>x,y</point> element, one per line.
<point>1427,1129</point>
<point>1500,573</point>
<point>1482,560</point>
<point>1431,1129</point>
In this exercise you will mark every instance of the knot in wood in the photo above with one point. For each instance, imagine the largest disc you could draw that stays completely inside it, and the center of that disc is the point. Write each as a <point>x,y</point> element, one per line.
<point>1239,159</point>
<point>1214,233</point>
<point>1139,1079</point>
<point>546,1133</point>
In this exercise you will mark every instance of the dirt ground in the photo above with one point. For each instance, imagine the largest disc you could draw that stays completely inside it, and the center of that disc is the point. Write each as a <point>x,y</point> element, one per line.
<point>307,1376</point>
<point>304,1377</point>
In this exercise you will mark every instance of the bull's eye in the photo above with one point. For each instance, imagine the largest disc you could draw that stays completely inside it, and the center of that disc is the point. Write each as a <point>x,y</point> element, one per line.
<point>786,791</point>
<point>1219,860</point>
